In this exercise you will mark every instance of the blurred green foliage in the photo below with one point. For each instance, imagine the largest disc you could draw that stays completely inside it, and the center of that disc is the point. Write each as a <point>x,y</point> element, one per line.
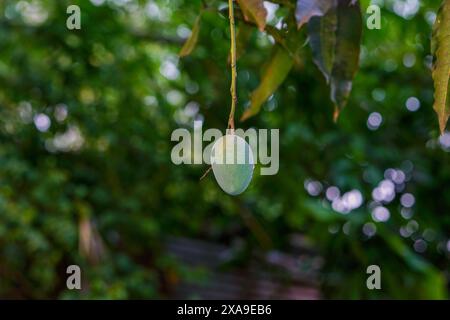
<point>85,171</point>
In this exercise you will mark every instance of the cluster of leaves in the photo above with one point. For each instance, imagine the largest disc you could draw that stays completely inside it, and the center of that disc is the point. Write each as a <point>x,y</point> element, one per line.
<point>85,124</point>
<point>334,34</point>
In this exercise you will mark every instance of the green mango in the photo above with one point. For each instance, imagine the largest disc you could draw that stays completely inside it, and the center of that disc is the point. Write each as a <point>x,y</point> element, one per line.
<point>232,163</point>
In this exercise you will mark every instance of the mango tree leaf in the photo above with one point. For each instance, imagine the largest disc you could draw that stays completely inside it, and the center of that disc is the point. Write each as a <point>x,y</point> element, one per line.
<point>254,11</point>
<point>190,43</point>
<point>273,75</point>
<point>322,39</point>
<point>306,9</point>
<point>440,47</point>
<point>335,41</point>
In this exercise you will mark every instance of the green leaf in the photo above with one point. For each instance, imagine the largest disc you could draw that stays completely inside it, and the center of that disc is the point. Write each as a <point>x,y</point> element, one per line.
<point>434,284</point>
<point>335,43</point>
<point>397,245</point>
<point>306,9</point>
<point>440,47</point>
<point>190,43</point>
<point>274,74</point>
<point>254,11</point>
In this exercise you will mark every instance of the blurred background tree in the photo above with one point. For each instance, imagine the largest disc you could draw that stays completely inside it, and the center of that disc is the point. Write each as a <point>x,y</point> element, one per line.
<point>85,171</point>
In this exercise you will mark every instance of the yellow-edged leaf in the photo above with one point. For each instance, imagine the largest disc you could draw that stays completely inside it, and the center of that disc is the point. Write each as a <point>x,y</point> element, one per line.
<point>190,43</point>
<point>254,11</point>
<point>441,65</point>
<point>273,75</point>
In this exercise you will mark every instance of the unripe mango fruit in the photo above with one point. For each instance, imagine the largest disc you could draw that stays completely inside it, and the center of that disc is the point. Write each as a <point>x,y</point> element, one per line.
<point>232,163</point>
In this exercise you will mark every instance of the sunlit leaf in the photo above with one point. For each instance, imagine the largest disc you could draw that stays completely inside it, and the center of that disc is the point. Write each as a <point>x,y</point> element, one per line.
<point>441,65</point>
<point>190,43</point>
<point>335,42</point>
<point>274,74</point>
<point>254,11</point>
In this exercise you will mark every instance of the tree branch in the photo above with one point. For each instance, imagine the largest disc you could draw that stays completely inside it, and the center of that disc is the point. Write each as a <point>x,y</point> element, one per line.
<point>233,65</point>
